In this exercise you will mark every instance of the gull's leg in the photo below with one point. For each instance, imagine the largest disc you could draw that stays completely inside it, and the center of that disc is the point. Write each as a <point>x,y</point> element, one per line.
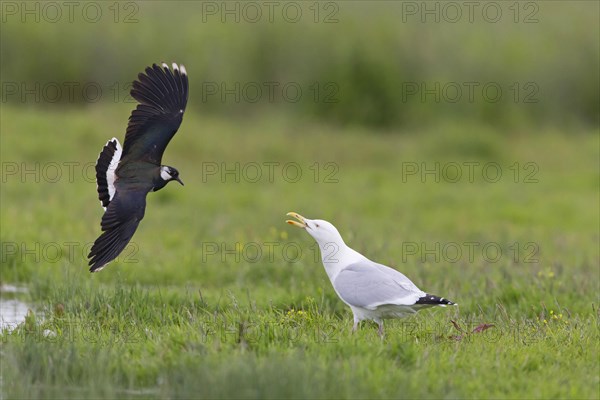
<point>355,326</point>
<point>380,323</point>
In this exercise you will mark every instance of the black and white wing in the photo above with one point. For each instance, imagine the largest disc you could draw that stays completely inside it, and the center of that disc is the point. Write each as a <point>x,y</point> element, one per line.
<point>105,171</point>
<point>121,219</point>
<point>162,93</point>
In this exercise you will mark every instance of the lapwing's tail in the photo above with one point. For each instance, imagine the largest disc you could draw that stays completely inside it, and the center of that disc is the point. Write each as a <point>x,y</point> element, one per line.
<point>105,171</point>
<point>431,300</point>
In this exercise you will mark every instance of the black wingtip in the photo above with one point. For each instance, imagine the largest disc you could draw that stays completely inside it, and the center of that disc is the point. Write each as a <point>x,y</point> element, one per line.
<point>95,263</point>
<point>119,223</point>
<point>106,248</point>
<point>430,299</point>
<point>108,245</point>
<point>162,87</point>
<point>97,260</point>
<point>96,268</point>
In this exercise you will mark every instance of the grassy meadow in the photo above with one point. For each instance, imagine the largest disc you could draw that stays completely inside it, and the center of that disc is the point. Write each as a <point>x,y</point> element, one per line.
<point>492,204</point>
<point>188,314</point>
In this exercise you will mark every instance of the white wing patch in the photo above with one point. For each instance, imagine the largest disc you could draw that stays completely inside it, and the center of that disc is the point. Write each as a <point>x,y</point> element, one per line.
<point>110,173</point>
<point>107,163</point>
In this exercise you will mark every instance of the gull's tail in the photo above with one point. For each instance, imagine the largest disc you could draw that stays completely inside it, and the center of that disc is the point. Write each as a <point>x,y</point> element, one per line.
<point>432,300</point>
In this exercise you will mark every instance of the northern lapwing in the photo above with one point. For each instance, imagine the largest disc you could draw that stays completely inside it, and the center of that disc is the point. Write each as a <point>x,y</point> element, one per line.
<point>125,175</point>
<point>373,291</point>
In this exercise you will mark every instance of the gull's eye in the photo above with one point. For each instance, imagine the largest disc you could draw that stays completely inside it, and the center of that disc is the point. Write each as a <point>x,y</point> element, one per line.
<point>317,225</point>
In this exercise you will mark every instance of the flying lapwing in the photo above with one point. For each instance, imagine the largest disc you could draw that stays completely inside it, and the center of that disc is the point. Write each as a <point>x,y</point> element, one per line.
<point>125,175</point>
<point>373,291</point>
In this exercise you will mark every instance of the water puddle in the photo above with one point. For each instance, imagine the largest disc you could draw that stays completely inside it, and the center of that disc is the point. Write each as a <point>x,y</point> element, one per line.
<point>12,310</point>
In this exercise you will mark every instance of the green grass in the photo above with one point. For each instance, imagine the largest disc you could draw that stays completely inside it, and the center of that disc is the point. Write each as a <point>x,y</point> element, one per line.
<point>177,321</point>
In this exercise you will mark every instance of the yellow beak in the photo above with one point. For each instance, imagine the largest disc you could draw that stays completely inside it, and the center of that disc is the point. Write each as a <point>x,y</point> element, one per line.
<point>299,217</point>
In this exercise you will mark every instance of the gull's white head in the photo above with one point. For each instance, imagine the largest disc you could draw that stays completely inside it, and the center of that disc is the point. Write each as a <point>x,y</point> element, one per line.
<point>322,231</point>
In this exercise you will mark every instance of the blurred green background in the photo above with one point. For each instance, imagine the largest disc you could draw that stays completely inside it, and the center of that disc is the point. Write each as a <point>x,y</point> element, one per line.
<point>543,57</point>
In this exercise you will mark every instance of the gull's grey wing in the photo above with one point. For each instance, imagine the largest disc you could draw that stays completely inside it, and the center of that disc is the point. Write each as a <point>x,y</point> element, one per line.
<point>369,285</point>
<point>397,276</point>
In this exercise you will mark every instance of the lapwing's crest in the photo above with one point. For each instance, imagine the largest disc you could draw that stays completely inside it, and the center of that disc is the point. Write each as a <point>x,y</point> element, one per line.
<point>124,176</point>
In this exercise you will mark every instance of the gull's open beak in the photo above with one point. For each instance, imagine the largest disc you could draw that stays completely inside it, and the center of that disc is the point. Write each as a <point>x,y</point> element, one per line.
<point>301,224</point>
<point>179,180</point>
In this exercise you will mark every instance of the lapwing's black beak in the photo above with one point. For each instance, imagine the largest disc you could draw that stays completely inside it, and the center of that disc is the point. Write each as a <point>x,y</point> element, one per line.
<point>179,180</point>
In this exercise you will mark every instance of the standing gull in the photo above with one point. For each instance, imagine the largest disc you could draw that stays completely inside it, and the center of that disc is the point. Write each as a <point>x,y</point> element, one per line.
<point>373,291</point>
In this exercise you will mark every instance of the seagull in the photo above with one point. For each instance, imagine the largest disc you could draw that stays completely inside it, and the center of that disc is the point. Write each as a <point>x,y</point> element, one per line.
<point>125,175</point>
<point>373,291</point>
